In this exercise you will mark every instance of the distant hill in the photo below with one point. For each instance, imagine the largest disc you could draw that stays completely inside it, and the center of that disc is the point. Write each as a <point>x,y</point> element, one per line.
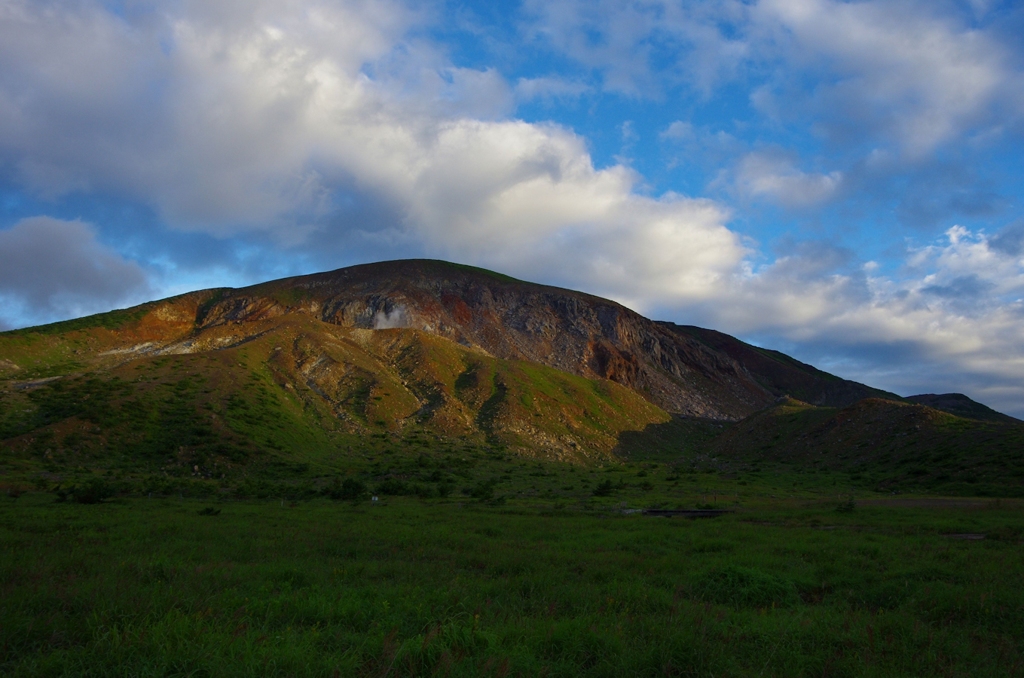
<point>961,406</point>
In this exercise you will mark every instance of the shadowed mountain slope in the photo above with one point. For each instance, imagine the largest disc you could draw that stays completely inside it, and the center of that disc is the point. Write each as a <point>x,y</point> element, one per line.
<point>885,444</point>
<point>782,375</point>
<point>961,406</point>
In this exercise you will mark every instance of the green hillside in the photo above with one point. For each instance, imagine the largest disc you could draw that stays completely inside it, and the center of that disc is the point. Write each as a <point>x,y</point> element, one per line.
<point>300,400</point>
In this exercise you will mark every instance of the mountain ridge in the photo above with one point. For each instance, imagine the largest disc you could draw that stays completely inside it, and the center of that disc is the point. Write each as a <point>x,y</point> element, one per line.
<point>686,370</point>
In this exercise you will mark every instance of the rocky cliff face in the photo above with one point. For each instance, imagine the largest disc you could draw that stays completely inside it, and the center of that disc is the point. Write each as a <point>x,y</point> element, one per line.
<point>510,319</point>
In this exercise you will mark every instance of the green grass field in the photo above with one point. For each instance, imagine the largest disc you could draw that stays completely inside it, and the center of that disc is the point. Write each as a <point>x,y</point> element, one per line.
<point>555,583</point>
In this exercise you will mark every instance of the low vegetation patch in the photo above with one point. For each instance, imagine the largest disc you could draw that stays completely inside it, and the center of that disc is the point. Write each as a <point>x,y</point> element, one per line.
<point>459,587</point>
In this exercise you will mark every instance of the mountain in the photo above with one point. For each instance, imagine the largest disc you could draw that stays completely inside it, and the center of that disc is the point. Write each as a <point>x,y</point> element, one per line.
<point>684,370</point>
<point>511,320</point>
<point>961,406</point>
<point>364,361</point>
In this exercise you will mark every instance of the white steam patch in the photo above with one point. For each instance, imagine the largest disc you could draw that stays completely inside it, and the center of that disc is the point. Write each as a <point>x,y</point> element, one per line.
<point>396,318</point>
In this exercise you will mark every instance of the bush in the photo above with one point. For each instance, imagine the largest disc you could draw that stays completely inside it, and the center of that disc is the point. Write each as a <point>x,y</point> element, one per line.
<point>351,489</point>
<point>604,489</point>
<point>92,491</point>
<point>394,487</point>
<point>483,490</point>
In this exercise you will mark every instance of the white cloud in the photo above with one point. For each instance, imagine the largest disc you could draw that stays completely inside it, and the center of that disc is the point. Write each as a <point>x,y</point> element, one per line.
<point>263,113</point>
<point>677,130</point>
<point>772,176</point>
<point>549,89</point>
<point>204,112</point>
<point>621,39</point>
<point>582,30</point>
<point>898,69</point>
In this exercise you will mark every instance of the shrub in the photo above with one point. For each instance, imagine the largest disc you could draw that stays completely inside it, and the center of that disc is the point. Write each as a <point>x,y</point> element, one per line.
<point>351,489</point>
<point>92,491</point>
<point>483,490</point>
<point>394,487</point>
<point>604,489</point>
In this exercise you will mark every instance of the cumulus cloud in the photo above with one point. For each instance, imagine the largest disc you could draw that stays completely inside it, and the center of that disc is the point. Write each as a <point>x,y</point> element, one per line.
<point>267,118</point>
<point>624,40</point>
<point>52,269</point>
<point>898,69</point>
<point>772,176</point>
<point>205,109</point>
<point>677,130</point>
<point>1010,240</point>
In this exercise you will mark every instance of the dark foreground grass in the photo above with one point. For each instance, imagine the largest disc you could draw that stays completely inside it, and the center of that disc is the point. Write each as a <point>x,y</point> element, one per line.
<point>140,587</point>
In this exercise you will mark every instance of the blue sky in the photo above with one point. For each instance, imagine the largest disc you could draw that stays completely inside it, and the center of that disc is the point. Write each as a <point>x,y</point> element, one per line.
<point>839,180</point>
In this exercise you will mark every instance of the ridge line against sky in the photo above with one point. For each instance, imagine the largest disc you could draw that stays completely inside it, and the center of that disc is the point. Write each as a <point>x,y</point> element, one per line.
<point>838,180</point>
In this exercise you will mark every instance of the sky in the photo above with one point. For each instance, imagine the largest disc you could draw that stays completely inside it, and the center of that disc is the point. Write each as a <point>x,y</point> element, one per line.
<point>842,181</point>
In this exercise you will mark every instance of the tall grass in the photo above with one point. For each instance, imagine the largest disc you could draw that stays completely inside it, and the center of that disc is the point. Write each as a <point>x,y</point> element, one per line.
<point>458,588</point>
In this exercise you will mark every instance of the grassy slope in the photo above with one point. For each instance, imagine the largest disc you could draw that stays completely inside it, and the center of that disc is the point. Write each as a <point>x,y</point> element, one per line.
<point>886,445</point>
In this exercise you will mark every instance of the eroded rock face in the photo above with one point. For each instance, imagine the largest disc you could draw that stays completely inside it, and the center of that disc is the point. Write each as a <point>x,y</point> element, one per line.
<point>510,319</point>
